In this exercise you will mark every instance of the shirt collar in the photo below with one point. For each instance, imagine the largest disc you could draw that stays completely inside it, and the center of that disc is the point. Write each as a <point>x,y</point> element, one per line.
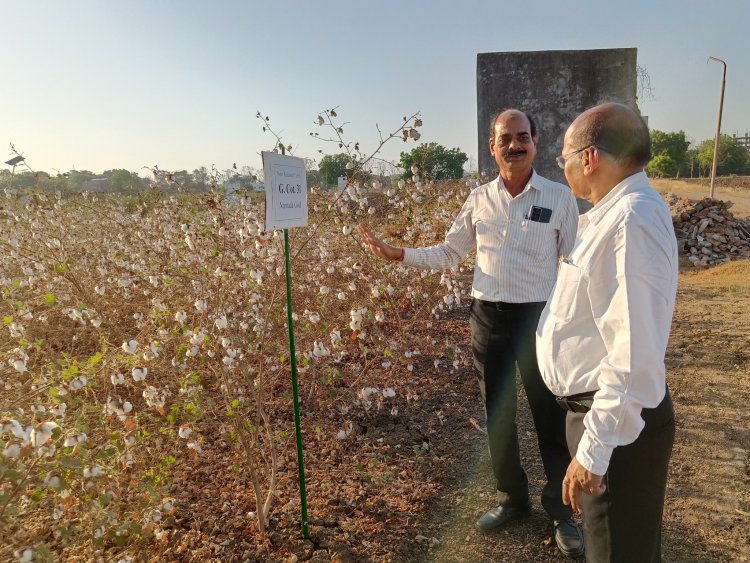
<point>628,185</point>
<point>534,183</point>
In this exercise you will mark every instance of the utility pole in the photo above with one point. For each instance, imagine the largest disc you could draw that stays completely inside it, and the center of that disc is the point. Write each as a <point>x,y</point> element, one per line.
<point>718,123</point>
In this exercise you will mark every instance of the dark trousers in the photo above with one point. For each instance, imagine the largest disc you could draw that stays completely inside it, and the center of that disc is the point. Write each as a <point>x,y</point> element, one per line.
<point>624,524</point>
<point>500,339</point>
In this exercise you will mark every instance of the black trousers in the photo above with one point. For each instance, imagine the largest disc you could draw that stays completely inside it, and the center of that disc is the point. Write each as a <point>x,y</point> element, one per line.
<point>500,339</point>
<point>624,524</point>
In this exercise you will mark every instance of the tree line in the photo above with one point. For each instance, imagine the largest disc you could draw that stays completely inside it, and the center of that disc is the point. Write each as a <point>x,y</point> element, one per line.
<point>672,156</point>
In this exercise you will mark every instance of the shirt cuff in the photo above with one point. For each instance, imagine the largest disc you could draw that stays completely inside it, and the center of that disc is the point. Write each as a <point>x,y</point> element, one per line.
<point>592,454</point>
<point>408,253</point>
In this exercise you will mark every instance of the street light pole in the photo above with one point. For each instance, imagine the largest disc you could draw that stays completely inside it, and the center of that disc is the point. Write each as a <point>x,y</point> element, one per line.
<point>718,123</point>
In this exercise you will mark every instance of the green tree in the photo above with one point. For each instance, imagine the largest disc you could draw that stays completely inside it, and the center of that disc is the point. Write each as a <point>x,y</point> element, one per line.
<point>733,157</point>
<point>661,166</point>
<point>121,180</point>
<point>673,145</point>
<point>332,166</point>
<point>435,161</point>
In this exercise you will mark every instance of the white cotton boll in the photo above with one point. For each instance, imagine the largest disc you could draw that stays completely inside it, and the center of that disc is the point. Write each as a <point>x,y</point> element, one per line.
<point>117,379</point>
<point>42,433</point>
<point>347,230</point>
<point>386,365</point>
<point>189,242</point>
<point>153,280</point>
<point>127,407</point>
<point>330,269</point>
<point>414,169</point>
<point>100,289</point>
<point>20,366</point>
<point>375,291</point>
<point>225,342</point>
<point>394,411</point>
<point>221,323</point>
<point>180,316</point>
<point>341,295</point>
<point>12,451</point>
<point>200,305</point>
<point>139,374</point>
<point>324,290</point>
<point>371,211</point>
<point>184,227</point>
<point>185,432</point>
<point>379,316</point>
<point>96,322</point>
<point>389,393</point>
<point>410,367</point>
<point>341,434</point>
<point>130,347</point>
<point>24,556</point>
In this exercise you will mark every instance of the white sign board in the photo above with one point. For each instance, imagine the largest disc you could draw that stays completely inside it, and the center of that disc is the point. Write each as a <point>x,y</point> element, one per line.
<point>286,191</point>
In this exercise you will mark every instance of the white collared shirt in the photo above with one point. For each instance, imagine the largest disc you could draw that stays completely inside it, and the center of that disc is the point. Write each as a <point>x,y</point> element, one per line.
<point>516,257</point>
<point>607,322</point>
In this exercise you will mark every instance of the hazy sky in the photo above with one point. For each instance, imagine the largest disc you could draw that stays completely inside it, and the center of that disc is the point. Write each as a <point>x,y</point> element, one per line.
<point>95,85</point>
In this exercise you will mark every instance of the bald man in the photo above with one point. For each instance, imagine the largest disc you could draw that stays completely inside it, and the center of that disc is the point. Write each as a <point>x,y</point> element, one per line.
<point>602,337</point>
<point>519,224</point>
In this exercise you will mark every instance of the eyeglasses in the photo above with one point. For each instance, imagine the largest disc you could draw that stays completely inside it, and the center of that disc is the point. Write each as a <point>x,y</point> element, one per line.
<point>561,160</point>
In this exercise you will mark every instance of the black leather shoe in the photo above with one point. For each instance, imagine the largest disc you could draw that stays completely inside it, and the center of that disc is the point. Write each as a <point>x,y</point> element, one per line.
<point>496,517</point>
<point>568,537</point>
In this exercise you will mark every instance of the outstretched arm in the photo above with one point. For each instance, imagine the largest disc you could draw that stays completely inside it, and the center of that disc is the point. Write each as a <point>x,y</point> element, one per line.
<point>378,247</point>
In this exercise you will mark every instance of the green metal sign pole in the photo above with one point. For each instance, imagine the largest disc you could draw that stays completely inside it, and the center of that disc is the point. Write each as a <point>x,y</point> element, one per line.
<point>293,361</point>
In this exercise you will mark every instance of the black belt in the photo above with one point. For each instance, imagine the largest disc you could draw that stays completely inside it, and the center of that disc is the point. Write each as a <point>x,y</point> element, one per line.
<point>580,402</point>
<point>503,306</point>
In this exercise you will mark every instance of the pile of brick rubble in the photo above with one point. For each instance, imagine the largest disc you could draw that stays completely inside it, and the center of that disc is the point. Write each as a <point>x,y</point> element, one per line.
<point>707,231</point>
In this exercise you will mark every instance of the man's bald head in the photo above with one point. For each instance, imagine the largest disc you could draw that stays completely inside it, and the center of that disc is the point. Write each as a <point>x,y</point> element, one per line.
<point>615,129</point>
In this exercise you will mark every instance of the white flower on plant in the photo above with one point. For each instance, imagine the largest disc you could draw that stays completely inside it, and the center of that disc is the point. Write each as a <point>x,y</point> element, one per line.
<point>12,451</point>
<point>319,350</point>
<point>93,471</point>
<point>184,432</point>
<point>180,317</point>
<point>139,374</point>
<point>221,323</point>
<point>335,337</point>
<point>78,383</point>
<point>42,433</point>
<point>153,397</point>
<point>130,347</point>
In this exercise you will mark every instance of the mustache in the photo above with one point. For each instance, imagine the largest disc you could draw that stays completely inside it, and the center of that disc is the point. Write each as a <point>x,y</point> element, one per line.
<point>516,153</point>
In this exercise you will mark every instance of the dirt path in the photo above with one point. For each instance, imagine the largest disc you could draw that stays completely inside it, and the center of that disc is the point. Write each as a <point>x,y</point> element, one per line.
<point>707,512</point>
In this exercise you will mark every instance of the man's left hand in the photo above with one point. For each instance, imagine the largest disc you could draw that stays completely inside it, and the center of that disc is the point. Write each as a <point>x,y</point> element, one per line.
<point>579,480</point>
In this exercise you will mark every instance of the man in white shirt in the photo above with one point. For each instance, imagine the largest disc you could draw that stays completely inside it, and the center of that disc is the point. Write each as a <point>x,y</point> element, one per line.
<point>601,339</point>
<point>520,225</point>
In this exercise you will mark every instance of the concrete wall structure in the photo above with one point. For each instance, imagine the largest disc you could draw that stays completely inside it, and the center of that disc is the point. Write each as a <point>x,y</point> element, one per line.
<point>553,87</point>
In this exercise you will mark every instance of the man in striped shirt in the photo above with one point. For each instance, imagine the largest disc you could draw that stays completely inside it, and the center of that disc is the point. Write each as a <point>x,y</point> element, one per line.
<point>520,224</point>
